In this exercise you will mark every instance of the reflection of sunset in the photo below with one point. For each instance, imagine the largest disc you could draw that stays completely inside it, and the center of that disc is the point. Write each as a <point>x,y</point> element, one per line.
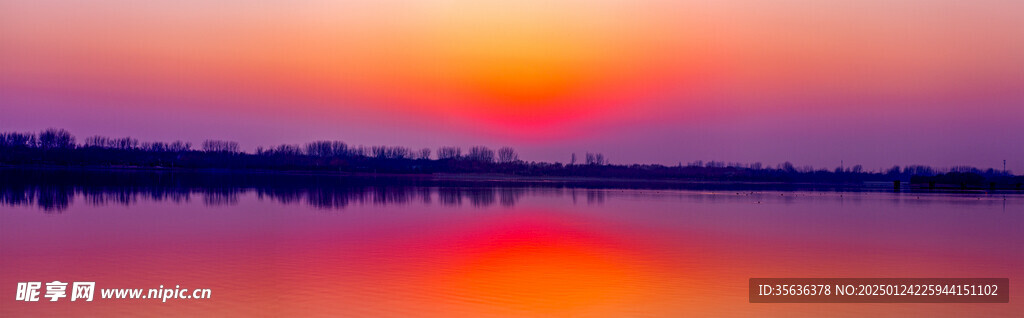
<point>543,268</point>
<point>690,257</point>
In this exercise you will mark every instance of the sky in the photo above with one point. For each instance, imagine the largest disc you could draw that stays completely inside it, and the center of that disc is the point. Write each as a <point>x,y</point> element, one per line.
<point>871,82</point>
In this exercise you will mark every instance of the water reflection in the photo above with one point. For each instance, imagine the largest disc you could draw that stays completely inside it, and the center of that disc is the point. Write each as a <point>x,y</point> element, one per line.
<point>424,248</point>
<point>54,191</point>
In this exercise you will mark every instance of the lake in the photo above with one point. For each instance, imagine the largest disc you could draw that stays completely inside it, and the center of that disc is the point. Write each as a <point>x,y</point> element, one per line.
<point>331,246</point>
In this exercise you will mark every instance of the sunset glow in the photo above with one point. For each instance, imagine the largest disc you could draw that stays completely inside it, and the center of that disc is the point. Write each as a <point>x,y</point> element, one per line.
<point>545,76</point>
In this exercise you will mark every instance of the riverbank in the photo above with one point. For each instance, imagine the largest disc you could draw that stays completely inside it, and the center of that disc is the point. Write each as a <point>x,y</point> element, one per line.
<point>239,177</point>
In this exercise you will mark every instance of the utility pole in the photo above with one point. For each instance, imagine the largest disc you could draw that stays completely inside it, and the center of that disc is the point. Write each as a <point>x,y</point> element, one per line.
<point>1004,166</point>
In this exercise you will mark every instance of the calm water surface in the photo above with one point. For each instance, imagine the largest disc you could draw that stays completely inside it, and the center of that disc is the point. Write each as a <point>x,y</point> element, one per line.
<point>436,251</point>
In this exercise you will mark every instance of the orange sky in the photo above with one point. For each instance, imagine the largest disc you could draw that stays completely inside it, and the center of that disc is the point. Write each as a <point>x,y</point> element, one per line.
<point>540,74</point>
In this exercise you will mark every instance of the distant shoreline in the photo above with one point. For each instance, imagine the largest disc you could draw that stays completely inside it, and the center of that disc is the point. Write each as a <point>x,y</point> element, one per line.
<point>506,179</point>
<point>57,149</point>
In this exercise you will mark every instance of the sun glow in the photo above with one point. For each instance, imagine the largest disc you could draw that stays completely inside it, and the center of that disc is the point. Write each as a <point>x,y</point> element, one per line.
<point>514,63</point>
<point>516,66</point>
<point>533,263</point>
<point>519,54</point>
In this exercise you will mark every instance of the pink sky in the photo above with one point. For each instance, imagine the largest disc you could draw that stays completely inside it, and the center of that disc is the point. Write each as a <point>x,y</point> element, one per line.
<point>871,82</point>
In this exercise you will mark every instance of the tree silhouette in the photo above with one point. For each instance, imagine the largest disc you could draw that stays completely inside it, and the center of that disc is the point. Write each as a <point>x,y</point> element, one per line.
<point>286,150</point>
<point>449,153</point>
<point>423,154</point>
<point>56,147</point>
<point>126,143</point>
<point>13,139</point>
<point>391,152</point>
<point>211,145</point>
<point>179,146</point>
<point>481,154</point>
<point>326,148</point>
<point>507,155</point>
<point>97,141</point>
<point>53,138</point>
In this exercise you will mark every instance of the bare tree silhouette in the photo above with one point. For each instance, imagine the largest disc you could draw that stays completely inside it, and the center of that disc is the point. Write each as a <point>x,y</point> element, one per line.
<point>98,151</point>
<point>211,145</point>
<point>449,153</point>
<point>13,139</point>
<point>507,155</point>
<point>481,154</point>
<point>284,150</point>
<point>127,143</point>
<point>391,152</point>
<point>326,148</point>
<point>595,159</point>
<point>423,154</point>
<point>97,141</point>
<point>53,138</point>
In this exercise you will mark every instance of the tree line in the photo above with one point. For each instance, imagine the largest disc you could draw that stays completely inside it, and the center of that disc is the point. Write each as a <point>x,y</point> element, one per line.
<point>58,147</point>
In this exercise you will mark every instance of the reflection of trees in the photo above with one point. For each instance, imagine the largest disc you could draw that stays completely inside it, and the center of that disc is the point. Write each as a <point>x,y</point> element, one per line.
<point>480,197</point>
<point>55,190</point>
<point>425,195</point>
<point>54,198</point>
<point>215,197</point>
<point>595,196</point>
<point>49,198</point>
<point>509,196</point>
<point>449,196</point>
